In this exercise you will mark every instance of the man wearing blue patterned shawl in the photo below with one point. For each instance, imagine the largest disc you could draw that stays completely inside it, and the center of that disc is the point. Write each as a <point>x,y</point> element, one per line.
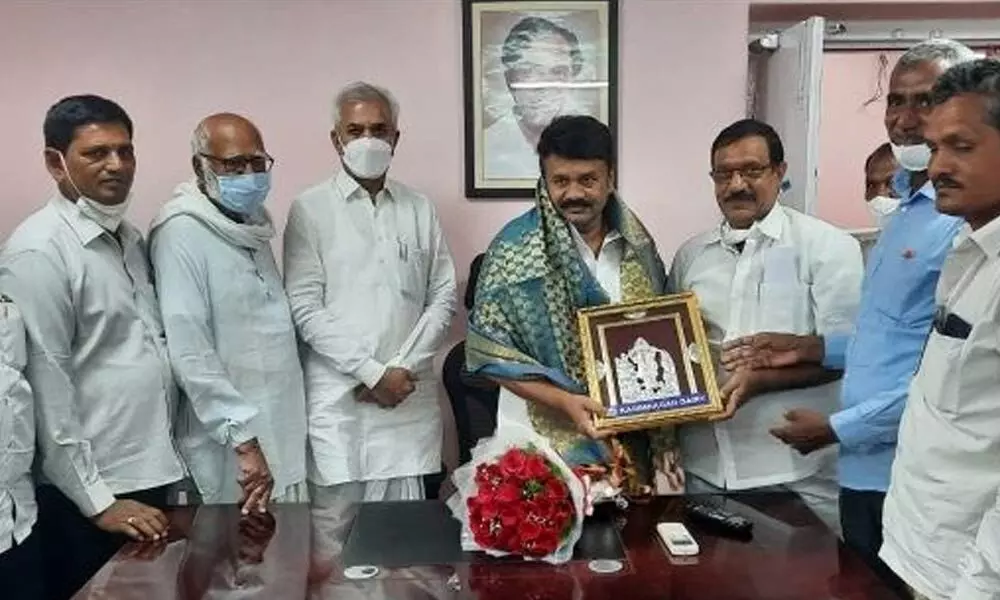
<point>579,246</point>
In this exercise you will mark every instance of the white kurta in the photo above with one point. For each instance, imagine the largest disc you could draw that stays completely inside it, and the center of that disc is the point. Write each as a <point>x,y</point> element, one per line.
<point>232,344</point>
<point>17,433</point>
<point>371,285</point>
<point>796,274</point>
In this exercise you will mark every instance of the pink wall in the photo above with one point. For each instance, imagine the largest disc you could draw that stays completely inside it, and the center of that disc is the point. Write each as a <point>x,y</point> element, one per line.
<point>849,131</point>
<point>171,63</point>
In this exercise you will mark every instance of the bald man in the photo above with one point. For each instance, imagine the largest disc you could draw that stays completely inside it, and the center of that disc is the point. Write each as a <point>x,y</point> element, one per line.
<point>242,422</point>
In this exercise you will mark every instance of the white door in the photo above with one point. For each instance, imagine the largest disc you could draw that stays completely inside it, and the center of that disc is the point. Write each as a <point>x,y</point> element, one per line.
<point>786,73</point>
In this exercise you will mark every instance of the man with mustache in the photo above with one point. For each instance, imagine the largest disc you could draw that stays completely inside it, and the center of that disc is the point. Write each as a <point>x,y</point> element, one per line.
<point>578,246</point>
<point>765,267</point>
<point>96,361</point>
<point>942,512</point>
<point>897,308</point>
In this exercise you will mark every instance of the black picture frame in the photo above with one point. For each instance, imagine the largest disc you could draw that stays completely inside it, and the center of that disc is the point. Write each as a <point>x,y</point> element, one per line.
<point>494,174</point>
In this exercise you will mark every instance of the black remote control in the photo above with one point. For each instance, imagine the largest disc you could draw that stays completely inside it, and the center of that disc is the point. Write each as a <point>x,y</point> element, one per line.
<point>719,521</point>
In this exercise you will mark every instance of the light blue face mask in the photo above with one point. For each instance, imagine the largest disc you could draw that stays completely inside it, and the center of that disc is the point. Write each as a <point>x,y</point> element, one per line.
<point>244,193</point>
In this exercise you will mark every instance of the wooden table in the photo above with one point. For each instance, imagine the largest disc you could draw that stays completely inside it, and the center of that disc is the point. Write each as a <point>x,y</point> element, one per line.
<point>297,555</point>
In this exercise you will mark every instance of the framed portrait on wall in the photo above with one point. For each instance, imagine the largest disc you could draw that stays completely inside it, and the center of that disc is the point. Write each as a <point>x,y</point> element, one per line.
<point>526,62</point>
<point>649,363</point>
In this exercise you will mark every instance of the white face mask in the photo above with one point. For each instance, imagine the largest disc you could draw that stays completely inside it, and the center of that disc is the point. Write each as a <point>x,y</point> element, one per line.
<point>912,158</point>
<point>108,216</point>
<point>881,207</point>
<point>734,237</point>
<point>367,157</point>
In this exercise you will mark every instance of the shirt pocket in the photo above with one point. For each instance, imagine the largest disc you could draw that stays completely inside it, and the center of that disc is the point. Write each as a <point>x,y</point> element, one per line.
<point>938,375</point>
<point>785,308</point>
<point>902,289</point>
<point>414,272</point>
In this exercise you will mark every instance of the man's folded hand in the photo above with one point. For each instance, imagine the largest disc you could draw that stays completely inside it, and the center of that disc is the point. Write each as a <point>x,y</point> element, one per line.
<point>254,477</point>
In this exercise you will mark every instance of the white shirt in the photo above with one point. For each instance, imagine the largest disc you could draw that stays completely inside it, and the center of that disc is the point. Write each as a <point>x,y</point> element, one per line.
<point>942,512</point>
<point>97,361</point>
<point>371,285</point>
<point>606,265</point>
<point>17,433</point>
<point>507,154</point>
<point>232,345</point>
<point>796,274</point>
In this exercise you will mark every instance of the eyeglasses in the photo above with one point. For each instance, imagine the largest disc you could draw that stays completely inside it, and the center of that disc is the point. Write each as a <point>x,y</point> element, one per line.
<point>724,176</point>
<point>257,163</point>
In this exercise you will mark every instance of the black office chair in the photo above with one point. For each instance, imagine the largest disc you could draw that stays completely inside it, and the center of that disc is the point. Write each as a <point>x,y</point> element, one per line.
<point>473,399</point>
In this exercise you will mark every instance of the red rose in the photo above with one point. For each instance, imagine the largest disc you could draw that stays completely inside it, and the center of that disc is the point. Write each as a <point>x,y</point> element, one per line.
<point>506,540</point>
<point>563,512</point>
<point>482,533</point>
<point>509,516</point>
<point>536,467</point>
<point>542,509</point>
<point>555,489</point>
<point>488,509</point>
<point>513,463</point>
<point>488,476</point>
<point>547,543</point>
<point>538,547</point>
<point>528,530</point>
<point>508,493</point>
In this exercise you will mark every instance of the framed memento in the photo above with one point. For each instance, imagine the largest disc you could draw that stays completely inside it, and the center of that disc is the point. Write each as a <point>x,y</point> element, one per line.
<point>526,62</point>
<point>649,364</point>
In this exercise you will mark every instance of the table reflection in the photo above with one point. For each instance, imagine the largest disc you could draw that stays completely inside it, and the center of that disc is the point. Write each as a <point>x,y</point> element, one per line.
<point>331,524</point>
<point>298,552</point>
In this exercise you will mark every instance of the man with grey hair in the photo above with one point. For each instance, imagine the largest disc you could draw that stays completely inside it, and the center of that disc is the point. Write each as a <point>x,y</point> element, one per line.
<point>241,424</point>
<point>897,308</point>
<point>942,512</point>
<point>371,285</point>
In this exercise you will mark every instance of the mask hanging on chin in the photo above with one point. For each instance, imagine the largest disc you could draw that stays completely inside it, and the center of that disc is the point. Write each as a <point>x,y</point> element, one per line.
<point>881,208</point>
<point>914,157</point>
<point>367,157</point>
<point>108,216</point>
<point>734,237</point>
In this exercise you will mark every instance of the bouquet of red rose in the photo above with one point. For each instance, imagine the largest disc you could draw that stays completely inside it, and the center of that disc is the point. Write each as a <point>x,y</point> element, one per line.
<point>517,496</point>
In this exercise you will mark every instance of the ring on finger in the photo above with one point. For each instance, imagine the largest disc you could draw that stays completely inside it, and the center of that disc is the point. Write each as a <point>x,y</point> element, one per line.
<point>130,520</point>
